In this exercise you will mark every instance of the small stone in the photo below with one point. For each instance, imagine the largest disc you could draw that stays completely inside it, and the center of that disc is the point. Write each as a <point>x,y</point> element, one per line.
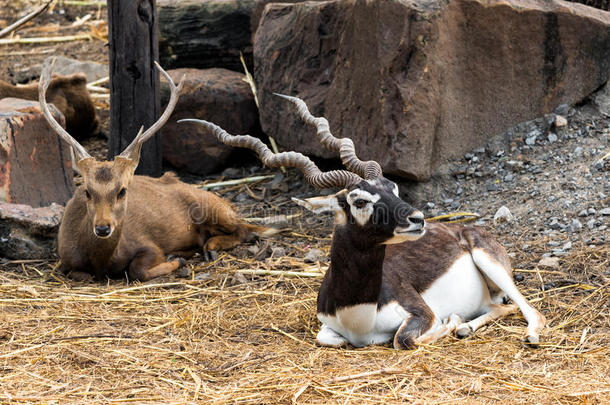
<point>593,223</point>
<point>530,141</point>
<point>578,151</point>
<point>468,156</point>
<point>479,150</point>
<point>202,276</point>
<point>509,177</point>
<point>503,215</point>
<point>567,246</point>
<point>574,226</point>
<point>605,211</point>
<point>553,243</point>
<point>492,187</point>
<point>430,205</point>
<point>314,255</point>
<point>555,224</point>
<point>278,252</point>
<point>562,109</point>
<point>560,121</point>
<point>582,213</point>
<point>184,272</point>
<point>552,138</point>
<point>552,262</point>
<point>518,277</point>
<point>591,211</point>
<point>474,159</point>
<point>239,278</point>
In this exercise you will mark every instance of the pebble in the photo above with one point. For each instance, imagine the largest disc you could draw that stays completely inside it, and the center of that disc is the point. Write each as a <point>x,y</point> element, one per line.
<point>552,138</point>
<point>582,213</point>
<point>530,141</point>
<point>605,211</point>
<point>575,226</point>
<point>202,276</point>
<point>593,223</point>
<point>503,215</point>
<point>314,255</point>
<point>430,205</point>
<point>560,121</point>
<point>184,272</point>
<point>552,262</point>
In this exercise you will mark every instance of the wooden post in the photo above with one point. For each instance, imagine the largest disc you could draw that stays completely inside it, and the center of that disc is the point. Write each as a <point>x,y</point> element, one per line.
<point>134,81</point>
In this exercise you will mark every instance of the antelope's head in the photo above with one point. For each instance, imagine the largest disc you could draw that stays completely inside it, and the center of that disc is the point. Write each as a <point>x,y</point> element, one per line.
<point>368,204</point>
<point>105,184</point>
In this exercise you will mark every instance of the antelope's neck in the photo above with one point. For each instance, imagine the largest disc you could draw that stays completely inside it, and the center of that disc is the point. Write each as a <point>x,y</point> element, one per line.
<point>354,276</point>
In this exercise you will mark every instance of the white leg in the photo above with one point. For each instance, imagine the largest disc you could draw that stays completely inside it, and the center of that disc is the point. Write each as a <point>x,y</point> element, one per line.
<point>496,311</point>
<point>498,274</point>
<point>438,330</point>
<point>328,337</point>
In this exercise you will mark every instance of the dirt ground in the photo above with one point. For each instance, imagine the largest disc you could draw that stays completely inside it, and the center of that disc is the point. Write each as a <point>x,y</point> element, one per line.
<point>217,332</point>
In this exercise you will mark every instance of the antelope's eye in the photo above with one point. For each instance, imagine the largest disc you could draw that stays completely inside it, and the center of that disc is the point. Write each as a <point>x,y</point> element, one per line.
<point>360,203</point>
<point>121,193</point>
<point>88,194</point>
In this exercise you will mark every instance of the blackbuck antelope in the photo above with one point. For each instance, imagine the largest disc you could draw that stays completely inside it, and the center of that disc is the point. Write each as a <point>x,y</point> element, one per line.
<point>117,222</point>
<point>391,276</point>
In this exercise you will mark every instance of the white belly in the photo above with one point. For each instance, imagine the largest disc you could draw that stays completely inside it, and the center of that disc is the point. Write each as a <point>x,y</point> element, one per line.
<point>364,325</point>
<point>461,290</point>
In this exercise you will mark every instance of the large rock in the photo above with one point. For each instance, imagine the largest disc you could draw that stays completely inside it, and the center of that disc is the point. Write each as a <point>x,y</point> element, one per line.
<point>217,95</point>
<point>205,33</point>
<point>35,166</point>
<point>28,233</point>
<point>64,66</point>
<point>415,83</point>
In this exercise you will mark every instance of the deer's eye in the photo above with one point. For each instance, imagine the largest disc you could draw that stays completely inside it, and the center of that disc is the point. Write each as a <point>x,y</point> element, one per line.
<point>360,203</point>
<point>121,194</point>
<point>88,194</point>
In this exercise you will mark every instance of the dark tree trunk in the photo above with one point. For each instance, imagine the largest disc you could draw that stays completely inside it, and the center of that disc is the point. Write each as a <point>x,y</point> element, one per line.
<point>134,81</point>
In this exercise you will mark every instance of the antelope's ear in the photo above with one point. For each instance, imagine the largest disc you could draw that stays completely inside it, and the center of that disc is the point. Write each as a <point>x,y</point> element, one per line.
<point>318,205</point>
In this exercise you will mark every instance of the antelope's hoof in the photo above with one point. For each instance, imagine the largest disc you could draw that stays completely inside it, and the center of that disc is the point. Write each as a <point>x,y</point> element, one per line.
<point>531,341</point>
<point>404,343</point>
<point>463,330</point>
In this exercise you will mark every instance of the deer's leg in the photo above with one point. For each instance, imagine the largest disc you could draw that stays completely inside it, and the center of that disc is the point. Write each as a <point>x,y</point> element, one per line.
<point>222,242</point>
<point>500,276</point>
<point>496,311</point>
<point>150,263</point>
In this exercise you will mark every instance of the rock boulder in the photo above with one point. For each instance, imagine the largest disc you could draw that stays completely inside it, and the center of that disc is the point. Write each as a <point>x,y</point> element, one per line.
<point>35,166</point>
<point>28,233</point>
<point>420,82</point>
<point>205,33</point>
<point>217,95</point>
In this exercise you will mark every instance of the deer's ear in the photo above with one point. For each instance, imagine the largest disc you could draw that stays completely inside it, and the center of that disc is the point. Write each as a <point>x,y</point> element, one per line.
<point>83,166</point>
<point>125,166</point>
<point>318,205</point>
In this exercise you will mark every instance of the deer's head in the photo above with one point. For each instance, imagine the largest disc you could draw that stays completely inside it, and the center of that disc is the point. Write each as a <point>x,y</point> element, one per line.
<point>106,184</point>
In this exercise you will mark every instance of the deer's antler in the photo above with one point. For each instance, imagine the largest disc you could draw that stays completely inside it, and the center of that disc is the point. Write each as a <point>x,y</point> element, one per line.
<point>133,150</point>
<point>43,85</point>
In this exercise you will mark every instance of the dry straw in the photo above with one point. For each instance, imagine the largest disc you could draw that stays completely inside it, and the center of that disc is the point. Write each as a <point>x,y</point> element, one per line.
<point>223,337</point>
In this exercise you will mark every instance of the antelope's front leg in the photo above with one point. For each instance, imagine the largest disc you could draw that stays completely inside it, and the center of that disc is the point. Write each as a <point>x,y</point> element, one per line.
<point>329,338</point>
<point>150,262</point>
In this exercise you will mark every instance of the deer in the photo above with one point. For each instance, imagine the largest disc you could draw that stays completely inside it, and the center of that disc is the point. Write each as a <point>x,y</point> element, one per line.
<point>393,277</point>
<point>68,93</point>
<point>119,223</point>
